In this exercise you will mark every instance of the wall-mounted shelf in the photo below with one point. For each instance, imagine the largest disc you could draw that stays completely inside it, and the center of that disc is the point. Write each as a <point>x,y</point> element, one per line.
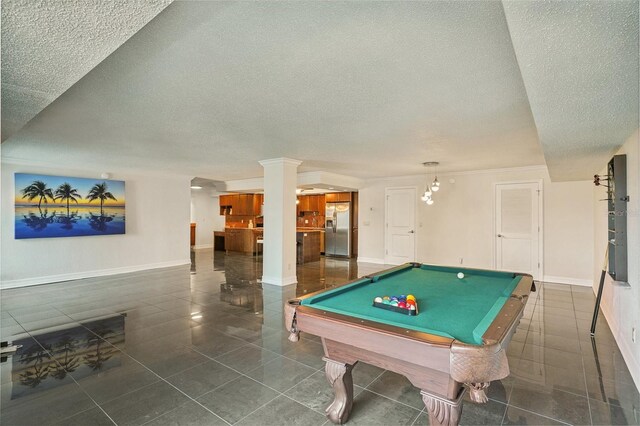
<point>617,220</point>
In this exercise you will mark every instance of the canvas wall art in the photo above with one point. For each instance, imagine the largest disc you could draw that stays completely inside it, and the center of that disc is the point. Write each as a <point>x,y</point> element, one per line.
<point>62,206</point>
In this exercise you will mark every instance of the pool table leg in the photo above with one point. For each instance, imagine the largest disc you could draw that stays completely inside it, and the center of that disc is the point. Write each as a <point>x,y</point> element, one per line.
<point>339,376</point>
<point>443,411</point>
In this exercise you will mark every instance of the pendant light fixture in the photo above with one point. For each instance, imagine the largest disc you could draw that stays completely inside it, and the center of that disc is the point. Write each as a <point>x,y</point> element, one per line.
<point>427,196</point>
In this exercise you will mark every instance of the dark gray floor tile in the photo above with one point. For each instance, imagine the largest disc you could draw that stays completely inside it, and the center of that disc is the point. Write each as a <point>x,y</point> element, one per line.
<point>552,403</point>
<point>188,414</point>
<point>247,358</point>
<point>307,352</point>
<point>112,381</point>
<point>202,378</point>
<point>315,392</point>
<point>364,374</point>
<point>283,408</point>
<point>550,356</point>
<point>38,406</point>
<point>230,400</point>
<point>516,416</point>
<point>169,362</point>
<point>554,342</point>
<point>92,417</point>
<point>490,413</point>
<point>544,377</point>
<point>608,414</point>
<point>398,388</point>
<point>281,373</point>
<point>143,405</point>
<point>370,409</point>
<point>213,343</point>
<point>612,391</point>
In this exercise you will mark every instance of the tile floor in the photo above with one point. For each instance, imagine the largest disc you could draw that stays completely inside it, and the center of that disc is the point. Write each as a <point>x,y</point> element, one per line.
<point>205,346</point>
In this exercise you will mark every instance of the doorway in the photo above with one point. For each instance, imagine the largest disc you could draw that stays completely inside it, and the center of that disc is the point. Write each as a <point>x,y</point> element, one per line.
<point>400,225</point>
<point>518,226</point>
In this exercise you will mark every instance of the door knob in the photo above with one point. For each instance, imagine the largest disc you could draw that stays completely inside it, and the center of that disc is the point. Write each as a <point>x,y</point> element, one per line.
<point>500,235</point>
<point>412,231</point>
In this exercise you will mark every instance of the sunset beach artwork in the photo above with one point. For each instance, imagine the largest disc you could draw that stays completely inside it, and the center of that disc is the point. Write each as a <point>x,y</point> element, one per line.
<point>62,206</point>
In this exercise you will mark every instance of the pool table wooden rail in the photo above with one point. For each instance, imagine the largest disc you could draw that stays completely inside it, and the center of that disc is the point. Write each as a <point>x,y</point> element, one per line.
<point>437,365</point>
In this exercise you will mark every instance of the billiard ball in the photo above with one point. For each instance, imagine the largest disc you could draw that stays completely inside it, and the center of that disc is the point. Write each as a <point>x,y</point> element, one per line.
<point>378,300</point>
<point>413,307</point>
<point>410,302</point>
<point>411,297</point>
<point>402,304</point>
<point>386,301</point>
<point>460,275</point>
<point>394,303</point>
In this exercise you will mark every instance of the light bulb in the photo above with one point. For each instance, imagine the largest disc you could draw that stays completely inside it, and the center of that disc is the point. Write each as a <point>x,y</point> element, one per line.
<point>425,197</point>
<point>435,185</point>
<point>297,201</point>
<point>429,201</point>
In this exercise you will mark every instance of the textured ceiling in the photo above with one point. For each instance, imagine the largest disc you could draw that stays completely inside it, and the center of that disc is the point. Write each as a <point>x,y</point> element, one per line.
<point>579,64</point>
<point>357,88</point>
<point>49,45</point>
<point>366,89</point>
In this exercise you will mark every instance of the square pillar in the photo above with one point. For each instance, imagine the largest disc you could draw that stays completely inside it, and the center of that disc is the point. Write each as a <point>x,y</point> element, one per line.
<point>279,255</point>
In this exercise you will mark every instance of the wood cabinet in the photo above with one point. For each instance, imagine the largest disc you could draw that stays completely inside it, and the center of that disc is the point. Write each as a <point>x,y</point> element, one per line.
<point>193,234</point>
<point>334,197</point>
<point>241,204</point>
<point>241,240</point>
<point>311,203</point>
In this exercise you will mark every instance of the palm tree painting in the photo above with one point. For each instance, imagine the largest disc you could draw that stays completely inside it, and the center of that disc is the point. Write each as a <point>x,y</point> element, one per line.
<point>98,206</point>
<point>39,190</point>
<point>99,192</point>
<point>66,193</point>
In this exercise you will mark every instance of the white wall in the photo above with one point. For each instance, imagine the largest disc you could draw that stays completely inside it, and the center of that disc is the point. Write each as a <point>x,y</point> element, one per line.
<point>157,223</point>
<point>621,306</point>
<point>205,213</point>
<point>460,222</point>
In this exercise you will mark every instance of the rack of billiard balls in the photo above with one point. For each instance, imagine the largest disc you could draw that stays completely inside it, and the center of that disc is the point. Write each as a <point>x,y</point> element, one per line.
<point>402,304</point>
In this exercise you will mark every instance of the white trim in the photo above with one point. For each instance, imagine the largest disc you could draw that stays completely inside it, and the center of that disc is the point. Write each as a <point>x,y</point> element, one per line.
<point>203,246</point>
<point>567,280</point>
<point>280,282</point>
<point>371,260</point>
<point>540,183</point>
<point>280,160</point>
<point>88,274</point>
<point>415,219</point>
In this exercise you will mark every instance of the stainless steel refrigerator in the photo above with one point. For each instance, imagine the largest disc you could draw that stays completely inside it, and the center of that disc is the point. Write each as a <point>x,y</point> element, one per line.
<point>337,230</point>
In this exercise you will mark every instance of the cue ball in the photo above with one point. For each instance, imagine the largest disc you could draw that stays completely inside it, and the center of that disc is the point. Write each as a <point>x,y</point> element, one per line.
<point>378,300</point>
<point>460,275</point>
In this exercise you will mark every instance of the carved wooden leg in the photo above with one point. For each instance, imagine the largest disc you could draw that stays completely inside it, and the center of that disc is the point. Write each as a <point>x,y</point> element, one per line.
<point>477,391</point>
<point>339,375</point>
<point>443,411</point>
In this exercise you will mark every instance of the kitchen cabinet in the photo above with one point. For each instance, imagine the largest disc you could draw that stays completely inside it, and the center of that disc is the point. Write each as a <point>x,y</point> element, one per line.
<point>242,240</point>
<point>335,197</point>
<point>241,204</point>
<point>311,203</point>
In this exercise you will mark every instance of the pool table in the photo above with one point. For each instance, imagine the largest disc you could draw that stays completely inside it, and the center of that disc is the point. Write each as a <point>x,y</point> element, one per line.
<point>459,336</point>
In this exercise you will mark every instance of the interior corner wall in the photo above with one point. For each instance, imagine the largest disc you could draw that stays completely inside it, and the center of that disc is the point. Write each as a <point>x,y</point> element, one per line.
<point>460,224</point>
<point>205,213</point>
<point>157,223</point>
<point>621,305</point>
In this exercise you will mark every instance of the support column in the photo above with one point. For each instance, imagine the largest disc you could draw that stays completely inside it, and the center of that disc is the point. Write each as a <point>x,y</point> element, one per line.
<point>279,256</point>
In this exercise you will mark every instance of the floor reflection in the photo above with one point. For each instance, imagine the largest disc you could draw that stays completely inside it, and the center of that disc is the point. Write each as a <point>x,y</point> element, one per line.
<point>205,344</point>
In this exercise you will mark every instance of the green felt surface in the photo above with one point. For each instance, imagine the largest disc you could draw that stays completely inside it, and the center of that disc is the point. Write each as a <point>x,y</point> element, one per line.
<point>448,306</point>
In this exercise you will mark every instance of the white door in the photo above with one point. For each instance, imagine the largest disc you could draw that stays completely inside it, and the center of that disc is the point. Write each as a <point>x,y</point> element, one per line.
<point>518,228</point>
<point>400,227</point>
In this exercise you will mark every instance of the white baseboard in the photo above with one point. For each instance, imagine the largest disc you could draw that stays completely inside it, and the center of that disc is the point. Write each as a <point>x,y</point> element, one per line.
<point>88,274</point>
<point>567,280</point>
<point>203,246</point>
<point>293,279</point>
<point>370,260</point>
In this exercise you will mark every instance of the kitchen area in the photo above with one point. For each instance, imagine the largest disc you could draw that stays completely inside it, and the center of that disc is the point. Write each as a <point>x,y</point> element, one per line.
<point>326,224</point>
